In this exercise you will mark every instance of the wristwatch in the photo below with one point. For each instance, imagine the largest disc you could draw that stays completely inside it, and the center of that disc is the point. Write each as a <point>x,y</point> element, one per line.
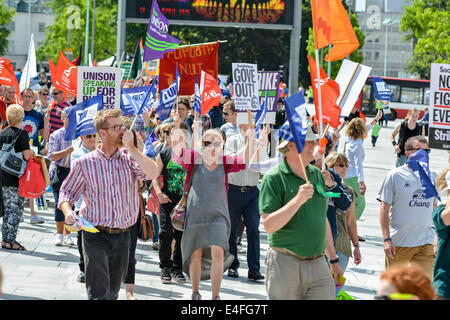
<point>394,143</point>
<point>387,239</point>
<point>334,261</point>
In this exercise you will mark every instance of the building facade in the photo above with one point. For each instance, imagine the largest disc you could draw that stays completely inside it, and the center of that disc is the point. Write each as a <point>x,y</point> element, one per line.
<point>18,40</point>
<point>384,49</point>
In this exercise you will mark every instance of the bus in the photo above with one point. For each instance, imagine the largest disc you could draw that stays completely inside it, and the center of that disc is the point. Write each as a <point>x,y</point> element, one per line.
<point>407,93</point>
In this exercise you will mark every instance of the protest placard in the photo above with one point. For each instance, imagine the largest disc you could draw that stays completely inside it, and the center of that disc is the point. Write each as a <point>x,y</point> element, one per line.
<point>268,83</point>
<point>93,81</point>
<point>439,124</point>
<point>246,90</point>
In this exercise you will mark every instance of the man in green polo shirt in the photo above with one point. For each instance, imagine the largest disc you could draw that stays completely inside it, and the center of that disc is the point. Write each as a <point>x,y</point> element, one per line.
<point>294,215</point>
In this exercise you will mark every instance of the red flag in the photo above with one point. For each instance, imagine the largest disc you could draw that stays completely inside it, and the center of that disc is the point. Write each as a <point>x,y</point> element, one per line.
<point>331,113</point>
<point>65,75</point>
<point>52,68</point>
<point>8,77</point>
<point>191,61</point>
<point>332,26</point>
<point>211,93</point>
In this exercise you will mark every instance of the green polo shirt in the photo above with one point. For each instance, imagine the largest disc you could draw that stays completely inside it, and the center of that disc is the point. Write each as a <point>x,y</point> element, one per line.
<point>441,273</point>
<point>305,233</point>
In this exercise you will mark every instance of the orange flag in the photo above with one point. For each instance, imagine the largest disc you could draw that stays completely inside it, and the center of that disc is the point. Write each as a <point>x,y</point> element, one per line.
<point>211,93</point>
<point>52,68</point>
<point>332,25</point>
<point>8,77</point>
<point>65,75</point>
<point>331,113</point>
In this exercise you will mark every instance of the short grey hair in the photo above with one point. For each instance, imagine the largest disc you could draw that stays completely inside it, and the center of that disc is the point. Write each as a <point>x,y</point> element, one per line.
<point>409,143</point>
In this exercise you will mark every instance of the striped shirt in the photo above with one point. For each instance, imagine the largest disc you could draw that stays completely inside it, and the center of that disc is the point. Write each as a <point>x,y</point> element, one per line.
<point>55,121</point>
<point>58,143</point>
<point>108,186</point>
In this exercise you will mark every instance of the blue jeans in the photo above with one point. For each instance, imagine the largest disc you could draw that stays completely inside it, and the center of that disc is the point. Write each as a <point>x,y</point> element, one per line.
<point>156,224</point>
<point>343,260</point>
<point>246,204</point>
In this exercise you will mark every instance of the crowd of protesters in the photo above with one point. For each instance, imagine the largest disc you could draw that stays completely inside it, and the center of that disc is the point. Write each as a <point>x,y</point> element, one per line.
<point>103,181</point>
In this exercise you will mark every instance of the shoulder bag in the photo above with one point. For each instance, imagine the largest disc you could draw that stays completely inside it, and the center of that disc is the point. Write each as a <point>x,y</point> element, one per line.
<point>11,161</point>
<point>146,226</point>
<point>178,214</point>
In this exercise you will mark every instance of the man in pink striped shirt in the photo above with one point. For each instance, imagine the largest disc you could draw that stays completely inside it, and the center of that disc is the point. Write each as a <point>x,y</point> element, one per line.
<point>107,179</point>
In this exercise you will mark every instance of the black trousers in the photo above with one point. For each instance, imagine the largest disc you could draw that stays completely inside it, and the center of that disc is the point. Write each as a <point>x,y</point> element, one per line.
<point>105,263</point>
<point>166,235</point>
<point>131,271</point>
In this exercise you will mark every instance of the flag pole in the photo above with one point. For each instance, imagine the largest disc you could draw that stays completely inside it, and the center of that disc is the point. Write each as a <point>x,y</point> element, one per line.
<point>303,167</point>
<point>320,101</point>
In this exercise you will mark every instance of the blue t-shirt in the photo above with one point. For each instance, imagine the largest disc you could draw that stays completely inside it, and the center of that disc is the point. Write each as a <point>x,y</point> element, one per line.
<point>32,123</point>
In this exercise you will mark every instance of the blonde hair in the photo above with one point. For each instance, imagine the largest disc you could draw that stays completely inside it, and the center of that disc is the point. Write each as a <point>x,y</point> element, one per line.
<point>14,114</point>
<point>334,158</point>
<point>441,184</point>
<point>101,118</point>
<point>410,112</point>
<point>356,129</point>
<point>215,132</point>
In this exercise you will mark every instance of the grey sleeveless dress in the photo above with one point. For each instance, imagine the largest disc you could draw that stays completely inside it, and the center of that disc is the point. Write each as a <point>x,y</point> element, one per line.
<point>207,219</point>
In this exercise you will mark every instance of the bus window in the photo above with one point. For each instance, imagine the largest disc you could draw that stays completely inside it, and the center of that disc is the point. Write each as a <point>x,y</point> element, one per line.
<point>411,95</point>
<point>395,90</point>
<point>427,96</point>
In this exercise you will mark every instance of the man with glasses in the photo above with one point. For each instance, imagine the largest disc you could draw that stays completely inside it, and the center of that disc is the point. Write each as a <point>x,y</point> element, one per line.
<point>55,109</point>
<point>229,114</point>
<point>107,178</point>
<point>406,216</point>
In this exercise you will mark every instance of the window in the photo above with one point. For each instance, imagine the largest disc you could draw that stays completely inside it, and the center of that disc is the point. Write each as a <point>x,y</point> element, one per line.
<point>411,95</point>
<point>395,90</point>
<point>368,55</point>
<point>11,26</point>
<point>41,27</point>
<point>11,48</point>
<point>377,55</point>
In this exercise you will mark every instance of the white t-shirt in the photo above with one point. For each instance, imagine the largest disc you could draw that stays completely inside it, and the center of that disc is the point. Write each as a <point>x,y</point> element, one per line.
<point>410,215</point>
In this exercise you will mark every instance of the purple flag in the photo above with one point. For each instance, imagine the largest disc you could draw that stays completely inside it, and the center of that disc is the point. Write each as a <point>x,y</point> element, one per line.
<point>157,41</point>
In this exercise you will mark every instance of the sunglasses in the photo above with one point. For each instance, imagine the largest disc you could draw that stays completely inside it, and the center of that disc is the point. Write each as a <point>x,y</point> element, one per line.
<point>166,132</point>
<point>56,93</point>
<point>225,113</point>
<point>43,94</point>
<point>427,150</point>
<point>90,136</point>
<point>215,144</point>
<point>341,165</point>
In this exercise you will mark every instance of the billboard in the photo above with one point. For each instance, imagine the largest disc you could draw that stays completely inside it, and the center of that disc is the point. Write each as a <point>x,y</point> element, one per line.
<point>231,11</point>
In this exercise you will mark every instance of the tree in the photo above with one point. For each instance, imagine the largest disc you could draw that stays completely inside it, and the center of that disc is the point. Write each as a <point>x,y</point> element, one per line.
<point>427,24</point>
<point>57,34</point>
<point>355,56</point>
<point>6,15</point>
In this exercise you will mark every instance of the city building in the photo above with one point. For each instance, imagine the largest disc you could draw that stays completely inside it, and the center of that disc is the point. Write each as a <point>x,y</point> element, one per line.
<point>384,48</point>
<point>18,40</point>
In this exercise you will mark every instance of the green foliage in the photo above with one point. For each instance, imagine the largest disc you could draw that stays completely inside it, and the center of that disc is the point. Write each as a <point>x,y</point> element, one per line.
<point>6,15</point>
<point>427,24</point>
<point>57,34</point>
<point>356,56</point>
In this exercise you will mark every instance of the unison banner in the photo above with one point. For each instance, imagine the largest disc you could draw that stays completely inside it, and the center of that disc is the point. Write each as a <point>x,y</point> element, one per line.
<point>439,123</point>
<point>93,81</point>
<point>191,61</point>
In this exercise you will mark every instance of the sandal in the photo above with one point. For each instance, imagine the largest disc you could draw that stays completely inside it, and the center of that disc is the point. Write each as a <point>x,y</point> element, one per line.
<point>19,248</point>
<point>4,246</point>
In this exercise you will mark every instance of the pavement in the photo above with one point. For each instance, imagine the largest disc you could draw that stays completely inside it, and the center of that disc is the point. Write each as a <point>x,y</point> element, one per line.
<point>47,272</point>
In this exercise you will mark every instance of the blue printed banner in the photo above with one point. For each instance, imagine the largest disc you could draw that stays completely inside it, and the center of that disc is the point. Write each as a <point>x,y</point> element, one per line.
<point>419,164</point>
<point>138,100</point>
<point>296,115</point>
<point>81,117</point>
<point>261,116</point>
<point>382,91</point>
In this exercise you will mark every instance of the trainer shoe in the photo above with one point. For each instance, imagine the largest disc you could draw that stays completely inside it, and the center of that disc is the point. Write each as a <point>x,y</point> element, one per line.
<point>68,241</point>
<point>36,220</point>
<point>196,296</point>
<point>59,238</point>
<point>81,277</point>
<point>155,245</point>
<point>177,274</point>
<point>165,276</point>
<point>240,249</point>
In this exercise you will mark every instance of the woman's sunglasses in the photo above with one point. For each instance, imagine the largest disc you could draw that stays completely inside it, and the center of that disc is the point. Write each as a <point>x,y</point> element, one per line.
<point>215,144</point>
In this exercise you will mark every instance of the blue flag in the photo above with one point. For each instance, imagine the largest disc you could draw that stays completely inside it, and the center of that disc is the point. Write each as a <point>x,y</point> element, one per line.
<point>138,100</point>
<point>261,116</point>
<point>419,164</point>
<point>382,91</point>
<point>81,117</point>
<point>296,116</point>
<point>153,136</point>
<point>167,98</point>
<point>223,88</point>
<point>198,98</point>
<point>149,151</point>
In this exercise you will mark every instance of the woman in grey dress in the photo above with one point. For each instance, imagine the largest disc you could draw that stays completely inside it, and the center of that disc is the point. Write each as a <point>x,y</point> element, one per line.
<point>204,244</point>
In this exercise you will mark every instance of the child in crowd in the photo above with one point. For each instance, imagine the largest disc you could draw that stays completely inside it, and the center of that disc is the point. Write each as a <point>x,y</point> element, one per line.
<point>375,132</point>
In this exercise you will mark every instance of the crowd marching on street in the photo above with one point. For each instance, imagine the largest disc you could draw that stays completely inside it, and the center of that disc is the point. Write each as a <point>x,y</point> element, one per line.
<point>195,183</point>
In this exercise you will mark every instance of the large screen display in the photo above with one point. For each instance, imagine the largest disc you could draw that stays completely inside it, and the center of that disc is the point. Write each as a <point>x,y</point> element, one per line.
<point>232,11</point>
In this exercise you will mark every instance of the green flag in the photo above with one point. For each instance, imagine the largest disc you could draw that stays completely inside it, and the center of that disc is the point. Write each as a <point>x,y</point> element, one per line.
<point>137,63</point>
<point>322,192</point>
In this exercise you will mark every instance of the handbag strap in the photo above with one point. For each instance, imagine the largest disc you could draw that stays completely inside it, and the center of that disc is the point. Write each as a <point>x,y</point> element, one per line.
<point>15,139</point>
<point>189,182</point>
